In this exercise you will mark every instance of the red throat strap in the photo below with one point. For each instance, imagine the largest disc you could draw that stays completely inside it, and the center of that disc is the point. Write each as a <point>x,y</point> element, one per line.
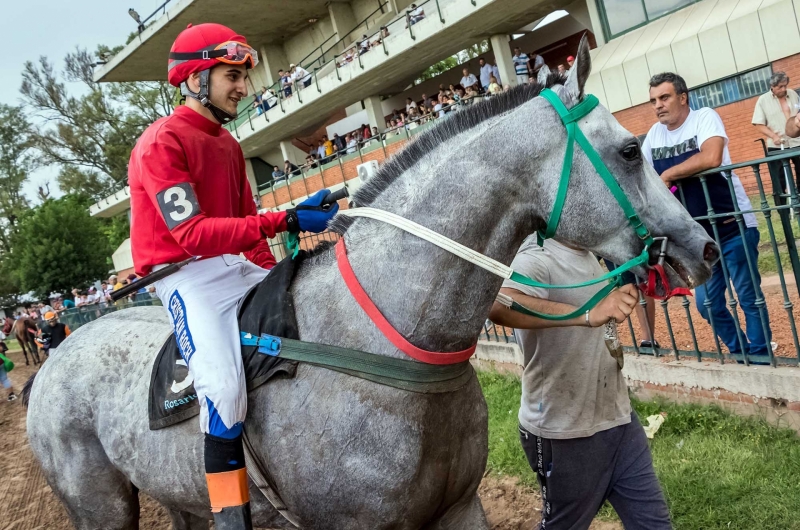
<point>384,326</point>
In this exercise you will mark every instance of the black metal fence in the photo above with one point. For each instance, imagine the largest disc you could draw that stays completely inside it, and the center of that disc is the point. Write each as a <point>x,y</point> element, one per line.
<point>78,316</point>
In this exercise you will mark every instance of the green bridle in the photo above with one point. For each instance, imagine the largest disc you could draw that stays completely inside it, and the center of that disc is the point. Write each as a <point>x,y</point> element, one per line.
<point>570,118</point>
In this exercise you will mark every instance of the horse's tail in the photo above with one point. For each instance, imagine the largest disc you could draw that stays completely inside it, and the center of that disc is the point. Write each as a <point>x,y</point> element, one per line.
<point>26,391</point>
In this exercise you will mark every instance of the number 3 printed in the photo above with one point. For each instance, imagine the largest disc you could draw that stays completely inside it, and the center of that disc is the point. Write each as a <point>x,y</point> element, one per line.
<point>178,204</point>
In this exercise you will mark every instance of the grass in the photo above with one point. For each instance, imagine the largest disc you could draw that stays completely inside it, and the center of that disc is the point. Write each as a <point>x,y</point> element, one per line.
<point>12,344</point>
<point>766,256</point>
<point>717,470</point>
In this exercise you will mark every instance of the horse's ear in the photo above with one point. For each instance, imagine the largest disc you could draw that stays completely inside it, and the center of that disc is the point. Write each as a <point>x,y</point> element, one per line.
<point>580,70</point>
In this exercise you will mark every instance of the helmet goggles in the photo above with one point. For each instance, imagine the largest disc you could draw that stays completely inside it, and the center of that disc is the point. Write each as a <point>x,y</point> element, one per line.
<point>230,52</point>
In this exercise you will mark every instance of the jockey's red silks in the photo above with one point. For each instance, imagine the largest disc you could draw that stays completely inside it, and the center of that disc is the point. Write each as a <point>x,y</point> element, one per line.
<point>384,326</point>
<point>649,287</point>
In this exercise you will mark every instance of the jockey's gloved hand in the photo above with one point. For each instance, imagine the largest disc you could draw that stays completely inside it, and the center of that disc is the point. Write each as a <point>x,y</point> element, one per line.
<point>311,215</point>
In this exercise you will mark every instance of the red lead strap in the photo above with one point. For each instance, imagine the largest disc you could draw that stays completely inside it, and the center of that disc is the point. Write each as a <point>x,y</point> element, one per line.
<point>649,288</point>
<point>394,336</point>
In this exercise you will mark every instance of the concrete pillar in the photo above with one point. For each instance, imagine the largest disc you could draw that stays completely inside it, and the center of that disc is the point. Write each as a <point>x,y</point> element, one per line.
<point>343,19</point>
<point>251,176</point>
<point>585,12</point>
<point>502,56</point>
<point>375,112</point>
<point>291,153</point>
<point>274,59</point>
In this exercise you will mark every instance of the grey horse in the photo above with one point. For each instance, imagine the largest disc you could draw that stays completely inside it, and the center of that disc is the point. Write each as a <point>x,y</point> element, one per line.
<point>346,453</point>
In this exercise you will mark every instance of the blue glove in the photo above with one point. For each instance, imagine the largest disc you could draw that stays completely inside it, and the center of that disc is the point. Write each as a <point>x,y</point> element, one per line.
<point>311,215</point>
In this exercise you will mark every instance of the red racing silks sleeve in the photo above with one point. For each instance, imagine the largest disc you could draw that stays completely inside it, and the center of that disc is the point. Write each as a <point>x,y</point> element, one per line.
<point>261,255</point>
<point>183,204</point>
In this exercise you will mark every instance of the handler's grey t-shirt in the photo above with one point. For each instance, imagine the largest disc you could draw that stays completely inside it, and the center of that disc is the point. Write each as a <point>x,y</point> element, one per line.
<point>571,386</point>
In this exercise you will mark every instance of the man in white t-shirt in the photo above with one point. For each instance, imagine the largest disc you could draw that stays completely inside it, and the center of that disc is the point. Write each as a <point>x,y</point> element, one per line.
<point>576,426</point>
<point>520,61</point>
<point>683,143</point>
<point>438,107</point>
<point>300,75</point>
<point>485,73</point>
<point>468,79</point>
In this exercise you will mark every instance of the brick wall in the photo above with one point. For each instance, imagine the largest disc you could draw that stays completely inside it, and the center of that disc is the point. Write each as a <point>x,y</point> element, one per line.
<point>736,117</point>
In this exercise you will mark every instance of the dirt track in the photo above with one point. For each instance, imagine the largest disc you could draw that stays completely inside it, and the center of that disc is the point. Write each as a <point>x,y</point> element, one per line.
<point>28,503</point>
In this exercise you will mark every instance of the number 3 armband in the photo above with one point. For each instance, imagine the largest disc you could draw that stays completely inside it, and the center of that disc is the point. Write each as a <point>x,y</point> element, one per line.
<point>178,203</point>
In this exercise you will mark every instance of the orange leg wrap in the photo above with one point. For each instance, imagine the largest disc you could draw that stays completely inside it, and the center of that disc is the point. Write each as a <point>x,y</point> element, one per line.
<point>227,489</point>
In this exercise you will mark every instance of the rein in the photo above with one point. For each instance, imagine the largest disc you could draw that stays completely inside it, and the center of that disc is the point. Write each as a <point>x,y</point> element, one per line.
<point>569,117</point>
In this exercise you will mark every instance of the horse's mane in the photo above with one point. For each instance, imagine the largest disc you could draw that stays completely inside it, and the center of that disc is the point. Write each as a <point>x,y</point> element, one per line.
<point>444,130</point>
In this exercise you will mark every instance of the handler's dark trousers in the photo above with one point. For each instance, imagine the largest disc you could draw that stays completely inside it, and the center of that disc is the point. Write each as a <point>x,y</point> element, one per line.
<point>579,474</point>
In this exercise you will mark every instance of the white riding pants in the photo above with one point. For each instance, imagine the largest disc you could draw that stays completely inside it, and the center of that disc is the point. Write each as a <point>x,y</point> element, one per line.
<point>201,300</point>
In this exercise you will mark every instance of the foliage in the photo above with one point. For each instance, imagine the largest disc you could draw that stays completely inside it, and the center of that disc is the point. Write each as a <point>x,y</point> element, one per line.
<point>451,62</point>
<point>59,246</point>
<point>717,470</point>
<point>89,136</point>
<point>16,162</point>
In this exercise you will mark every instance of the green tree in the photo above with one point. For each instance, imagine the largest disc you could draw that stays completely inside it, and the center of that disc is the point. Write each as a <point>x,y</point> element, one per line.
<point>16,163</point>
<point>89,136</point>
<point>58,246</point>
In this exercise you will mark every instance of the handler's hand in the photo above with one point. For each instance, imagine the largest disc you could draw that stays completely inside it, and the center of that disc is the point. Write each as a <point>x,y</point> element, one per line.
<point>617,305</point>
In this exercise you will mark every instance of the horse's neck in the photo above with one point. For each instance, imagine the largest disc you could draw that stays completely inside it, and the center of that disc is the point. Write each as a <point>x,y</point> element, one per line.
<point>436,300</point>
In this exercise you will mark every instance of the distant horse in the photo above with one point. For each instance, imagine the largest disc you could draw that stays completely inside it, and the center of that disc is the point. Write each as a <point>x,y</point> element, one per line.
<point>25,332</point>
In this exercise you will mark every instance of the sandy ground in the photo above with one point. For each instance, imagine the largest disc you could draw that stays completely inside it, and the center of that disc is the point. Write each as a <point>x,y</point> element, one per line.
<point>28,503</point>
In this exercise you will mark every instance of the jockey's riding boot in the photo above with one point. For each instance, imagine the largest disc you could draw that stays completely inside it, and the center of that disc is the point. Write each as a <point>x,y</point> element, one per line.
<point>226,477</point>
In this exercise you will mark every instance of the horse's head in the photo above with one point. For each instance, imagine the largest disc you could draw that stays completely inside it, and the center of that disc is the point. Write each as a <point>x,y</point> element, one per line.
<point>592,217</point>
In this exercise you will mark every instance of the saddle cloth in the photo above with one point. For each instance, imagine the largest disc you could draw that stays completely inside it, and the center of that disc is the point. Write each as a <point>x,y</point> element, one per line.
<point>267,308</point>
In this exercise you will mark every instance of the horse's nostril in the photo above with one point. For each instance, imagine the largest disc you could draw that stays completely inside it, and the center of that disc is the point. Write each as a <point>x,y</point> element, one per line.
<point>711,253</point>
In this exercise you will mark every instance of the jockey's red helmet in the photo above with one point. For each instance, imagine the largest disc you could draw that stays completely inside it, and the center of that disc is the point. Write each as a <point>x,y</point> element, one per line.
<point>204,46</point>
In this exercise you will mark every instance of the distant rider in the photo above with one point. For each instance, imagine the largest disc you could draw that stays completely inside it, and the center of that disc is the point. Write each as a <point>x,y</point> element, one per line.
<point>190,197</point>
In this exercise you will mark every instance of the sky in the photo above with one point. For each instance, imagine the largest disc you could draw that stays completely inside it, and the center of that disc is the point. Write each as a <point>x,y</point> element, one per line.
<point>53,28</point>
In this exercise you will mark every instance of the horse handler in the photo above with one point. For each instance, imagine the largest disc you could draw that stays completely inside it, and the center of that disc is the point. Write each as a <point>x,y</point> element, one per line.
<point>190,198</point>
<point>577,429</point>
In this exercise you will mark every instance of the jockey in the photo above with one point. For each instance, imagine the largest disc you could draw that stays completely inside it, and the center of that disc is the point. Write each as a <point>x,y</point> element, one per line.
<point>190,197</point>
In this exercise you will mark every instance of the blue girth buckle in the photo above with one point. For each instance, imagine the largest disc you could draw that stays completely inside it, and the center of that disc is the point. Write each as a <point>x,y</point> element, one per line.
<point>269,345</point>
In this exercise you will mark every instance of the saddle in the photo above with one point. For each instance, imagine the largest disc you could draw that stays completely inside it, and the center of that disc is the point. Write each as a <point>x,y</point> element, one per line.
<point>268,308</point>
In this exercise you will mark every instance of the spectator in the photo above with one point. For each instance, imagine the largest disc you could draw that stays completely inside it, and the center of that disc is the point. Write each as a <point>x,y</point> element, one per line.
<point>426,101</point>
<point>471,93</point>
<point>269,98</point>
<point>81,299</point>
<point>684,143</point>
<point>290,169</point>
<point>257,104</point>
<point>531,80</point>
<point>494,86</point>
<point>376,133</point>
<point>300,75</point>
<point>351,143</point>
<point>570,60</point>
<point>414,14</point>
<point>520,61</point>
<point>285,82</point>
<point>277,173</point>
<point>562,69</point>
<point>363,46</point>
<point>311,163</point>
<point>496,73</point>
<point>6,382</point>
<point>108,287</point>
<point>468,80</point>
<point>113,280</point>
<point>365,131</point>
<point>52,332</point>
<point>438,110</point>
<point>384,32</point>
<point>338,143</point>
<point>581,438</point>
<point>322,151</point>
<point>410,105</point>
<point>772,111</point>
<point>68,304</point>
<point>485,73</point>
<point>329,145</point>
<point>535,63</point>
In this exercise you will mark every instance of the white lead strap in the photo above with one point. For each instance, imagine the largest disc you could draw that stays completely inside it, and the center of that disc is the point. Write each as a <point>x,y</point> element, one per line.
<point>466,253</point>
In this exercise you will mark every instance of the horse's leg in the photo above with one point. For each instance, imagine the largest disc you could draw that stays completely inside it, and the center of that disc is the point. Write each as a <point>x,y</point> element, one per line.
<point>34,350</point>
<point>187,521</point>
<point>97,495</point>
<point>466,516</point>
<point>24,346</point>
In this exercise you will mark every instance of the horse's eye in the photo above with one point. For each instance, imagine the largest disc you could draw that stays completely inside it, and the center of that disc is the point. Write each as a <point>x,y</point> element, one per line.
<point>631,152</point>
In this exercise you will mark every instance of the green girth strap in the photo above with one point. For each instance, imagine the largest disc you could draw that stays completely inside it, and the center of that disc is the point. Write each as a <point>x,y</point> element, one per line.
<point>574,134</point>
<point>404,374</point>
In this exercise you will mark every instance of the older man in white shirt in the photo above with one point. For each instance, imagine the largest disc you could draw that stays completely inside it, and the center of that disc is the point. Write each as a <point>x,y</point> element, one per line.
<point>772,111</point>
